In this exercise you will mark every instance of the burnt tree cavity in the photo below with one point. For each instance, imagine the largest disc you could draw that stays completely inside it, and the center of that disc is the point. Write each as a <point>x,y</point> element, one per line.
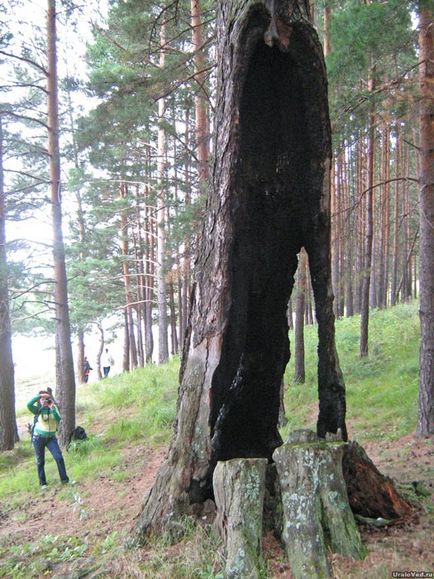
<point>269,196</point>
<point>279,180</point>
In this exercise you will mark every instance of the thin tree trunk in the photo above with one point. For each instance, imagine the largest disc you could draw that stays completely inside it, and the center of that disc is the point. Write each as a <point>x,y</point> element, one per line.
<point>395,257</point>
<point>299,367</point>
<point>100,350</point>
<point>425,423</point>
<point>149,282</point>
<point>8,423</point>
<point>126,358</point>
<point>334,210</point>
<point>351,236</point>
<point>186,273</point>
<point>364,321</point>
<point>327,20</point>
<point>163,347</point>
<point>66,385</point>
<point>127,282</point>
<point>82,239</point>
<point>202,136</point>
<point>360,222</point>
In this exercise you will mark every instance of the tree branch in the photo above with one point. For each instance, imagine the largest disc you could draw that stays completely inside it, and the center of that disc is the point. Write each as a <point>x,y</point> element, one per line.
<point>24,59</point>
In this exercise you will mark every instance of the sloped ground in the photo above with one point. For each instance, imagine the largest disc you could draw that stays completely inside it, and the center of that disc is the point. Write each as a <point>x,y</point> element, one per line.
<point>99,514</point>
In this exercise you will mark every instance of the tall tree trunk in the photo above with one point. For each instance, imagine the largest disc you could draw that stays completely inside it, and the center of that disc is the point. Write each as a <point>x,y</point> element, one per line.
<point>269,195</point>
<point>327,19</point>
<point>384,217</point>
<point>425,423</point>
<point>8,423</point>
<point>127,282</point>
<point>202,133</point>
<point>82,238</point>
<point>186,269</point>
<point>351,236</point>
<point>396,205</point>
<point>80,356</point>
<point>299,367</point>
<point>139,267</point>
<point>163,346</point>
<point>360,221</point>
<point>334,209</point>
<point>364,320</point>
<point>149,280</point>
<point>66,383</point>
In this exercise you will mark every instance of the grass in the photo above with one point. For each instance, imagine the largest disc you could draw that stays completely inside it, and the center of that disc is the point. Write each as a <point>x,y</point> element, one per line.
<point>382,389</point>
<point>139,408</point>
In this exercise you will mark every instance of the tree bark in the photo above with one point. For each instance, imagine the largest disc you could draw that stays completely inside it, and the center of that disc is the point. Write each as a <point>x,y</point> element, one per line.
<point>370,493</point>
<point>239,487</point>
<point>8,426</point>
<point>65,392</point>
<point>269,196</point>
<point>132,348</point>
<point>364,318</point>
<point>425,423</point>
<point>163,345</point>
<point>299,367</point>
<point>201,104</point>
<point>316,512</point>
<point>149,280</point>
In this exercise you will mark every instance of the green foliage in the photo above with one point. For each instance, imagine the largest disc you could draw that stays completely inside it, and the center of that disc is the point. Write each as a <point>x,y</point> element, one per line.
<point>369,39</point>
<point>381,389</point>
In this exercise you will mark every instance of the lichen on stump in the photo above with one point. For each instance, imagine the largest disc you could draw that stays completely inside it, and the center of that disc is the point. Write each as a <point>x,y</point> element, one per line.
<point>317,515</point>
<point>239,486</point>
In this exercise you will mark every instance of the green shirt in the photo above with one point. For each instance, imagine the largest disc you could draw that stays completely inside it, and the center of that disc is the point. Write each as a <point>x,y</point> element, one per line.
<point>47,419</point>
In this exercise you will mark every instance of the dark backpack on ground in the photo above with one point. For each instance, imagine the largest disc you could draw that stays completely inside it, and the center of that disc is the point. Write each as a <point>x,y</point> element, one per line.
<point>78,433</point>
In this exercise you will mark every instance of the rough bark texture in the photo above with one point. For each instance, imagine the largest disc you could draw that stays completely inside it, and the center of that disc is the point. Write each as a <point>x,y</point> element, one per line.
<point>316,512</point>
<point>269,196</point>
<point>425,423</point>
<point>239,486</point>
<point>8,426</point>
<point>370,493</point>
<point>65,379</point>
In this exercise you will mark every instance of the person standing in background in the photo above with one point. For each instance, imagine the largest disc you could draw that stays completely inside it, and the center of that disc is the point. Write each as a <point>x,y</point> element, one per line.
<point>86,370</point>
<point>107,362</point>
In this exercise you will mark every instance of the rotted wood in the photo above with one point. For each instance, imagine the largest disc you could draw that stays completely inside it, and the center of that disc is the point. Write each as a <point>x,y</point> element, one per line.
<point>371,494</point>
<point>239,486</point>
<point>316,511</point>
<point>269,195</point>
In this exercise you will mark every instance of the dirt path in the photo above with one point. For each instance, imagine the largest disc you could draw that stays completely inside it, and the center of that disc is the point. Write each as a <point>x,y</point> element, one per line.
<point>93,511</point>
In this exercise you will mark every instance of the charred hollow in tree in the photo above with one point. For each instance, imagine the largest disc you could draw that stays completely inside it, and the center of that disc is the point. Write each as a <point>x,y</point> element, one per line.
<point>269,196</point>
<point>278,181</point>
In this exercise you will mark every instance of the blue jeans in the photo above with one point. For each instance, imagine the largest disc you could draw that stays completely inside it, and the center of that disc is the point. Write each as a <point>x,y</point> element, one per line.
<point>39,444</point>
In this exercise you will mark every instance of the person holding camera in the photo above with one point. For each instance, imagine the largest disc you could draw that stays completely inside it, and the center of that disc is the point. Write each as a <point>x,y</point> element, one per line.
<point>47,418</point>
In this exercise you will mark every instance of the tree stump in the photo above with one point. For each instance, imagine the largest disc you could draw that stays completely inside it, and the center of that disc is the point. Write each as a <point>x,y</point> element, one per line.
<point>316,511</point>
<point>239,486</point>
<point>370,493</point>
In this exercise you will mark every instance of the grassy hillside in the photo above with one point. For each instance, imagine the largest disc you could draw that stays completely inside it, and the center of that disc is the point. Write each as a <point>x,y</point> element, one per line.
<point>382,389</point>
<point>128,419</point>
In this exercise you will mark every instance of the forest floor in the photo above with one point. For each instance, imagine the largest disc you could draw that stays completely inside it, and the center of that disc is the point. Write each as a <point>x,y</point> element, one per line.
<point>96,513</point>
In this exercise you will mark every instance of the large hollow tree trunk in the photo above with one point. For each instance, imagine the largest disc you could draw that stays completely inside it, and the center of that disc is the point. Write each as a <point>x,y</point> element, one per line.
<point>269,196</point>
